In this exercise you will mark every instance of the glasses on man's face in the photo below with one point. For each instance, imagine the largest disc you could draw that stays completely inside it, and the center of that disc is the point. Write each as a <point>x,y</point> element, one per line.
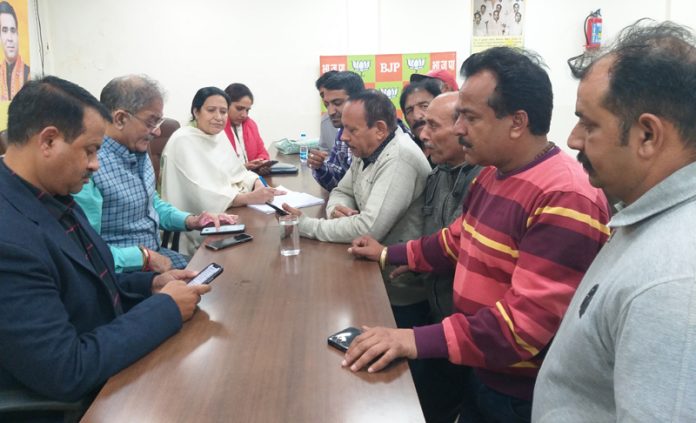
<point>152,125</point>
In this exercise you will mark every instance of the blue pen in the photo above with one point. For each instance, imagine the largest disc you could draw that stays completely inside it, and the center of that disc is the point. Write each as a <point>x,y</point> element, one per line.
<point>263,181</point>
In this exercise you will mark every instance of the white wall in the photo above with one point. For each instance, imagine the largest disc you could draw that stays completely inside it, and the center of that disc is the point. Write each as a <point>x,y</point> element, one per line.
<point>273,46</point>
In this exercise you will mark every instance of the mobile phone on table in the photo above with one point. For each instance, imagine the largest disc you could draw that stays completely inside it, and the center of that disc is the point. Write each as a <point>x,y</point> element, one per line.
<point>207,275</point>
<point>277,209</point>
<point>224,229</point>
<point>228,242</point>
<point>342,340</point>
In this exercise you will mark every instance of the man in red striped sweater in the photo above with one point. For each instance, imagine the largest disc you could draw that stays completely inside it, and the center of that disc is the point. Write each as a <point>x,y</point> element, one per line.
<point>530,228</point>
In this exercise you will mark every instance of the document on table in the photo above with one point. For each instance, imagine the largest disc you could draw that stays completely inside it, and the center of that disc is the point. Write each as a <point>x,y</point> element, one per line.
<point>293,198</point>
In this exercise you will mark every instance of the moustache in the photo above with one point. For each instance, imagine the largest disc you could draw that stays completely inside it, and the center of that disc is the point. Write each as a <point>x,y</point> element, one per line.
<point>417,124</point>
<point>87,175</point>
<point>463,142</point>
<point>585,162</point>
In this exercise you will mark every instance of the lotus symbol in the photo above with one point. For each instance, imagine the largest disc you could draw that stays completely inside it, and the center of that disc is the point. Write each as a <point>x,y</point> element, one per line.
<point>416,64</point>
<point>361,65</point>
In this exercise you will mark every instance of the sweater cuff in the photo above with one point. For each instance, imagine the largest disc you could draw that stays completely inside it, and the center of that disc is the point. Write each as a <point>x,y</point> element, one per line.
<point>431,341</point>
<point>397,254</point>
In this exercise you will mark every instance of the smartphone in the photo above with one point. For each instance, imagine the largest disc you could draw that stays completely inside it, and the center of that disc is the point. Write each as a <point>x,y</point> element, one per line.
<point>342,340</point>
<point>277,209</point>
<point>224,229</point>
<point>228,242</point>
<point>207,275</point>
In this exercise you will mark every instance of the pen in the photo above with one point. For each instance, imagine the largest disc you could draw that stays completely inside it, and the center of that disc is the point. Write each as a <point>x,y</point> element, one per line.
<point>263,181</point>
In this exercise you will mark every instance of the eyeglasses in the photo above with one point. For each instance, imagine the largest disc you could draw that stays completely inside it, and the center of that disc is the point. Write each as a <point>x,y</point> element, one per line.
<point>152,126</point>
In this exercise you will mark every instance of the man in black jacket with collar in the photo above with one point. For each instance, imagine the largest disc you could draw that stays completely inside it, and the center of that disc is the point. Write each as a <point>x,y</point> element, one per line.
<point>67,320</point>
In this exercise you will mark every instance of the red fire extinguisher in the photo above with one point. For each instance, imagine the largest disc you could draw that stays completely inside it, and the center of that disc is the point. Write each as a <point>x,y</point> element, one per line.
<point>593,30</point>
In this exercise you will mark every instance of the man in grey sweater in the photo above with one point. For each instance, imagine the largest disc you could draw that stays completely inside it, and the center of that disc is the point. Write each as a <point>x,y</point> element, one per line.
<point>626,350</point>
<point>382,192</point>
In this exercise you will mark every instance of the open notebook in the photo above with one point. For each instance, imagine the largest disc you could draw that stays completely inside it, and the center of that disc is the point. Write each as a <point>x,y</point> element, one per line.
<point>293,198</point>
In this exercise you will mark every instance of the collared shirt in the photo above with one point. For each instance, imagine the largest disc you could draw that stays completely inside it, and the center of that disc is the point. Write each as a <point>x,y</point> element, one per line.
<point>123,207</point>
<point>63,209</point>
<point>335,166</point>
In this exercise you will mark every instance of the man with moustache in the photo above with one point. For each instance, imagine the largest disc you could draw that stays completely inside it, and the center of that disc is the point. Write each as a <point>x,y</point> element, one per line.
<point>531,226</point>
<point>414,101</point>
<point>120,200</point>
<point>68,322</point>
<point>14,72</point>
<point>328,168</point>
<point>327,132</point>
<point>625,350</point>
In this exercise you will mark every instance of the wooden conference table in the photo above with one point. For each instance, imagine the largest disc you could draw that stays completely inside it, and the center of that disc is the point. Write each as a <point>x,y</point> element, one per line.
<point>256,349</point>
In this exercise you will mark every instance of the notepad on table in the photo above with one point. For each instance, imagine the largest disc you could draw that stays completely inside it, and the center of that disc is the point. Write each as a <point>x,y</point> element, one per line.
<point>293,198</point>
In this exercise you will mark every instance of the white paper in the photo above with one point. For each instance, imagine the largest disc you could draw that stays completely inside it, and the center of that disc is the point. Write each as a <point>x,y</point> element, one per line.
<point>295,199</point>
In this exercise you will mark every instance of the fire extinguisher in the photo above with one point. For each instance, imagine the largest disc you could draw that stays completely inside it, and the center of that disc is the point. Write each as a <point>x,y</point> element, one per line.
<point>593,30</point>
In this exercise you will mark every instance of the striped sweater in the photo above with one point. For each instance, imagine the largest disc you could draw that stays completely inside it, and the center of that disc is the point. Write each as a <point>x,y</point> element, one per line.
<point>518,253</point>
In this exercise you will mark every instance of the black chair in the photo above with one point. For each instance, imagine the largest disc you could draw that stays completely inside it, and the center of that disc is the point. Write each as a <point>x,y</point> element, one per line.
<point>20,404</point>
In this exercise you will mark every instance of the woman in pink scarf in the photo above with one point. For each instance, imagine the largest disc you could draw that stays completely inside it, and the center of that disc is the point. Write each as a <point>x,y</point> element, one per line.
<point>242,131</point>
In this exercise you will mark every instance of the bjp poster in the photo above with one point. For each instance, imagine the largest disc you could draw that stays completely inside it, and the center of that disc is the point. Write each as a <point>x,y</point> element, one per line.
<point>390,73</point>
<point>14,36</point>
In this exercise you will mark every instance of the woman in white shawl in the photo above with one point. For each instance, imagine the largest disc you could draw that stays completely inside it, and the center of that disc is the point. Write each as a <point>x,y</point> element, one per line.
<point>200,170</point>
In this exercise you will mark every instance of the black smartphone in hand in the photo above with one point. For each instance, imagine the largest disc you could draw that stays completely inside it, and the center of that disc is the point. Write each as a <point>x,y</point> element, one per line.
<point>278,210</point>
<point>207,275</point>
<point>342,340</point>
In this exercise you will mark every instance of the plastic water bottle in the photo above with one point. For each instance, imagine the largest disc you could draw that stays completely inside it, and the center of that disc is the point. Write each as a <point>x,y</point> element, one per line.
<point>304,148</point>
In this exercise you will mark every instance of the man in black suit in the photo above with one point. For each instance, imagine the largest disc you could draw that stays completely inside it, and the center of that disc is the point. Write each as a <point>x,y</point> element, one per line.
<point>67,320</point>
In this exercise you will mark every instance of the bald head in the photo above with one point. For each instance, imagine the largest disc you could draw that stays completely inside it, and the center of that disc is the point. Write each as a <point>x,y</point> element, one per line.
<point>440,141</point>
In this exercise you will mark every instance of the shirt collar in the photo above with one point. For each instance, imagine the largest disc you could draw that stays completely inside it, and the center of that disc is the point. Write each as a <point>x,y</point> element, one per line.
<point>677,188</point>
<point>375,154</point>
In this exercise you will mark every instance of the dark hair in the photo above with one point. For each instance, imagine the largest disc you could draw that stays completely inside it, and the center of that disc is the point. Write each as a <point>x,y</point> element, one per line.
<point>377,107</point>
<point>238,91</point>
<point>521,84</point>
<point>653,70</point>
<point>348,81</point>
<point>130,93</point>
<point>431,85</point>
<point>203,94</point>
<point>7,8</point>
<point>322,79</point>
<point>50,101</point>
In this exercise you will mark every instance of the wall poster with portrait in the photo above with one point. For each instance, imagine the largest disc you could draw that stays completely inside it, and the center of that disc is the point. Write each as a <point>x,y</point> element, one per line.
<point>14,36</point>
<point>497,23</point>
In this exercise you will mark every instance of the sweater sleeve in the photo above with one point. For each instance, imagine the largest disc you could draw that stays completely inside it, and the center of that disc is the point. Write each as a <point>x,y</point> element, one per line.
<point>563,235</point>
<point>391,194</point>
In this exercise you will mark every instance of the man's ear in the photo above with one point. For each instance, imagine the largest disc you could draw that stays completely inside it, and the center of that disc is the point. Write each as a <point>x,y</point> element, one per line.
<point>520,122</point>
<point>651,135</point>
<point>119,117</point>
<point>382,129</point>
<point>47,139</point>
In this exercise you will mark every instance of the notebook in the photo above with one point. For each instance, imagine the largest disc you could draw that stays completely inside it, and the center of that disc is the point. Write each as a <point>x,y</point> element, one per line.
<point>293,198</point>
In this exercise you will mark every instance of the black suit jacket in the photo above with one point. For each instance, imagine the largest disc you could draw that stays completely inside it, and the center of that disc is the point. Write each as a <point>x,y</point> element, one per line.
<point>59,336</point>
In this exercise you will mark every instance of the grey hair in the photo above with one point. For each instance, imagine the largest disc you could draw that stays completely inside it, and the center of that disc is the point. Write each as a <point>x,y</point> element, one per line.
<point>131,93</point>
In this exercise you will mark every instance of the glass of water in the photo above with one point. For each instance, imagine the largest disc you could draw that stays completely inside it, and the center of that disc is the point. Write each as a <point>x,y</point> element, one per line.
<point>289,235</point>
<point>304,152</point>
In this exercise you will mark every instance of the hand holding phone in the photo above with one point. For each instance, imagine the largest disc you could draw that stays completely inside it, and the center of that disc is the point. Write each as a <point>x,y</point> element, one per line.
<point>228,242</point>
<point>342,340</point>
<point>277,209</point>
<point>224,229</point>
<point>207,275</point>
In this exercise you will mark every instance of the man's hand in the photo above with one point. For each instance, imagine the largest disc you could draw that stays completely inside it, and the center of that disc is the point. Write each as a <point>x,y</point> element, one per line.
<point>316,158</point>
<point>398,271</point>
<point>390,344</point>
<point>186,297</point>
<point>159,263</point>
<point>343,211</point>
<point>204,219</point>
<point>262,195</point>
<point>173,275</point>
<point>292,210</point>
<point>366,247</point>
